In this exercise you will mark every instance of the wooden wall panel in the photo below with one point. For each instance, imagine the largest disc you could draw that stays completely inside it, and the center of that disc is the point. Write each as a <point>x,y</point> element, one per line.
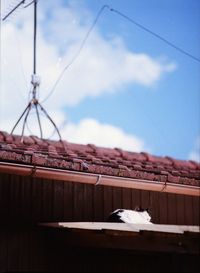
<point>154,208</point>
<point>171,211</point>
<point>88,203</point>
<point>107,201</point>
<point>36,250</point>
<point>47,189</point>
<point>36,195</point>
<point>98,203</point>
<point>3,249</point>
<point>145,199</point>
<point>136,198</point>
<point>24,250</point>
<point>24,199</point>
<point>196,210</point>
<point>188,210</point>
<point>163,208</point>
<point>13,257</point>
<point>126,198</point>
<point>180,209</point>
<point>58,201</point>
<point>68,201</point>
<point>117,198</point>
<point>78,201</point>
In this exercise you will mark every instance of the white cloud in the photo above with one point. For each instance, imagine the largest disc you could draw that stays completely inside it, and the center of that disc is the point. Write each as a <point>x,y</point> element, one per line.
<point>86,131</point>
<point>104,65</point>
<point>195,154</point>
<point>105,135</point>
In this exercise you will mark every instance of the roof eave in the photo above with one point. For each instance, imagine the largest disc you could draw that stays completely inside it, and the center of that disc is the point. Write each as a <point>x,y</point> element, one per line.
<point>97,179</point>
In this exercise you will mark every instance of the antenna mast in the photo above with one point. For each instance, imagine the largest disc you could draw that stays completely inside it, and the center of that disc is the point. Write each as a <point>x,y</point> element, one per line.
<point>35,80</point>
<point>35,37</point>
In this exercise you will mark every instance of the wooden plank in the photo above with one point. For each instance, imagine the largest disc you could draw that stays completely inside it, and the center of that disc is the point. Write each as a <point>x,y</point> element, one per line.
<point>58,197</point>
<point>37,199</point>
<point>4,196</point>
<point>163,212</point>
<point>107,195</point>
<point>88,202</point>
<point>145,199</point>
<point>11,197</point>
<point>154,207</point>
<point>117,198</point>
<point>3,249</point>
<point>126,198</point>
<point>12,249</point>
<point>98,203</point>
<point>171,208</point>
<point>180,209</point>
<point>39,250</point>
<point>147,241</point>
<point>188,210</point>
<point>14,191</point>
<point>196,210</point>
<point>47,214</point>
<point>136,198</point>
<point>68,201</point>
<point>78,201</point>
<point>24,249</point>
<point>25,198</point>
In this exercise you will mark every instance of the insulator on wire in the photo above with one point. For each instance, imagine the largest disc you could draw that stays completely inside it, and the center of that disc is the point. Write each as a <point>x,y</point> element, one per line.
<point>35,80</point>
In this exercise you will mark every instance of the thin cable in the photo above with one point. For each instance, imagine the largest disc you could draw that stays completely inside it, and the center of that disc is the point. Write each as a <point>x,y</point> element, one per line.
<point>35,37</point>
<point>20,58</point>
<point>59,128</point>
<point>26,6</point>
<point>130,20</point>
<point>24,123</point>
<point>39,122</point>
<point>77,53</point>
<point>155,35</point>
<point>47,115</point>
<point>19,4</point>
<point>26,109</point>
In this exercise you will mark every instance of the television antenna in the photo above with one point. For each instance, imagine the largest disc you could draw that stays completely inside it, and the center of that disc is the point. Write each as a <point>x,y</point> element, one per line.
<point>35,80</point>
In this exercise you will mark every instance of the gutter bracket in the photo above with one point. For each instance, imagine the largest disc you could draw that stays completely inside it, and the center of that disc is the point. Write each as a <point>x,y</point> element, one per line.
<point>33,170</point>
<point>98,180</point>
<point>164,186</point>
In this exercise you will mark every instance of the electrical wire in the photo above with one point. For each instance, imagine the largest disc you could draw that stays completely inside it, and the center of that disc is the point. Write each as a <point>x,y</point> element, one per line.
<point>26,6</point>
<point>19,4</point>
<point>20,59</point>
<point>77,53</point>
<point>155,34</point>
<point>130,20</point>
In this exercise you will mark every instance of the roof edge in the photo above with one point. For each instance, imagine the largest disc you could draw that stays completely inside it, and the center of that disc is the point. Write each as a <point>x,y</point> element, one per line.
<point>97,179</point>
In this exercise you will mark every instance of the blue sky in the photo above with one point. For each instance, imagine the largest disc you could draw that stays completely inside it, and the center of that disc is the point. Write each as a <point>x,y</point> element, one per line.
<point>126,88</point>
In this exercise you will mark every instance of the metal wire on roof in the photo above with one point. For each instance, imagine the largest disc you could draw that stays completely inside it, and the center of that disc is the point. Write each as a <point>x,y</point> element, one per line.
<point>34,102</point>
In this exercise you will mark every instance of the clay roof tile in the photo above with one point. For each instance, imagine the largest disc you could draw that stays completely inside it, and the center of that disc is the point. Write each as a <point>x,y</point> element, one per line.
<point>90,158</point>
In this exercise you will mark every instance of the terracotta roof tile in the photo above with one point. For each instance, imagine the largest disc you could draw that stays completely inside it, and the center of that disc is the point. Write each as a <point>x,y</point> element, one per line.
<point>93,159</point>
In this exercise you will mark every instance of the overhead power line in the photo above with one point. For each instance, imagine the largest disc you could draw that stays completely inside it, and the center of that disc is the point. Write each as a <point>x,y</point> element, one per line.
<point>155,34</point>
<point>78,52</point>
<point>16,7</point>
<point>131,21</point>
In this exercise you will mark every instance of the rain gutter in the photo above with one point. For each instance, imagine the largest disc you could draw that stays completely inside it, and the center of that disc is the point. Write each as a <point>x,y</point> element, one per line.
<point>97,179</point>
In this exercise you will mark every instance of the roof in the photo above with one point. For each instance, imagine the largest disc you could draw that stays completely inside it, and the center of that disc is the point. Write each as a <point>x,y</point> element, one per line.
<point>160,238</point>
<point>179,229</point>
<point>92,159</point>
